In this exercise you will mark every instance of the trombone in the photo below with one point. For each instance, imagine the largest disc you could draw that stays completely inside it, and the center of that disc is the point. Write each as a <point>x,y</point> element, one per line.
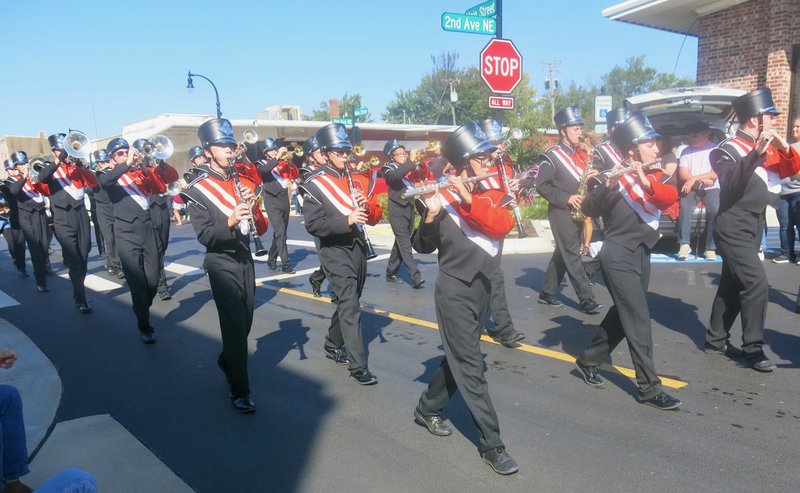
<point>291,152</point>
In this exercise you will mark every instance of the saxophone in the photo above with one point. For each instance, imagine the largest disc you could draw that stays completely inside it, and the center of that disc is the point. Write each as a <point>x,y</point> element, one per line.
<point>583,186</point>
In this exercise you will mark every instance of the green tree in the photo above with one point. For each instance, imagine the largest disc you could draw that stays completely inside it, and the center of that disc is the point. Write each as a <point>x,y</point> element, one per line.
<point>347,106</point>
<point>635,78</point>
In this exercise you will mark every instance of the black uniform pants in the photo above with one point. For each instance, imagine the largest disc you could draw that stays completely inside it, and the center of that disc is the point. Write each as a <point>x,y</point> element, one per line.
<point>72,232</point>
<point>34,228</point>
<point>346,270</point>
<point>278,214</point>
<point>105,217</point>
<point>318,275</point>
<point>401,219</point>
<point>566,257</point>
<point>16,246</point>
<point>498,305</point>
<point>233,285</point>
<point>138,254</point>
<point>160,214</point>
<point>627,276</point>
<point>743,285</point>
<point>459,309</point>
<point>98,232</point>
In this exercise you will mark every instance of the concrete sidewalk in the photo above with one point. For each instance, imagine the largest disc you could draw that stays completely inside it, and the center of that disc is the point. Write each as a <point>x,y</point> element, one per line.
<point>98,444</point>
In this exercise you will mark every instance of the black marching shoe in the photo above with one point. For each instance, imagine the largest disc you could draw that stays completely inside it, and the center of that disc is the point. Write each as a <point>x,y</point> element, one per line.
<point>42,288</point>
<point>49,271</point>
<point>761,363</point>
<point>662,401</point>
<point>83,307</point>
<point>434,424</point>
<point>549,299</point>
<point>364,377</point>
<point>499,460</point>
<point>590,307</point>
<point>272,264</point>
<point>334,299</point>
<point>22,273</point>
<point>338,355</point>
<point>149,337</point>
<point>418,282</point>
<point>243,404</point>
<point>589,374</point>
<point>164,295</point>
<point>316,287</point>
<point>725,350</point>
<point>510,340</point>
<point>287,269</point>
<point>393,279</point>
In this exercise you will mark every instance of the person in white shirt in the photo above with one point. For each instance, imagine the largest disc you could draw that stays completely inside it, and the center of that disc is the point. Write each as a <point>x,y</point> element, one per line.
<point>698,183</point>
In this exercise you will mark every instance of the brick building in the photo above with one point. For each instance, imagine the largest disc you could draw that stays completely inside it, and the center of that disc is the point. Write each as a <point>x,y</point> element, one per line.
<point>742,44</point>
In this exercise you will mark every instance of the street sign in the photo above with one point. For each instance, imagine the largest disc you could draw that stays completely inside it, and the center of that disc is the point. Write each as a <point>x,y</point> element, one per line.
<point>501,102</point>
<point>485,9</point>
<point>463,23</point>
<point>344,121</point>
<point>501,66</point>
<point>602,105</point>
<point>359,112</point>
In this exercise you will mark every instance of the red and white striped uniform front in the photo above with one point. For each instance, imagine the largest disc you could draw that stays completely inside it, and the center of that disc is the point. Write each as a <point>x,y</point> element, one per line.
<point>634,195</point>
<point>73,187</point>
<point>769,175</point>
<point>336,190</point>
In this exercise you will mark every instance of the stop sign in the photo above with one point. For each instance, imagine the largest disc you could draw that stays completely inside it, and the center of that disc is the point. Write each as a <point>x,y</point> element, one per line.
<point>501,66</point>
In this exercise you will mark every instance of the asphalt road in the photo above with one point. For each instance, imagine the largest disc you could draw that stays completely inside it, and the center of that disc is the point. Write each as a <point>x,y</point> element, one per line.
<point>315,430</point>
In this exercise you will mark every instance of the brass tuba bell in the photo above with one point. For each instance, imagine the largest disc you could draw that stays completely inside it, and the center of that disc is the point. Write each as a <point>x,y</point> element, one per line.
<point>77,145</point>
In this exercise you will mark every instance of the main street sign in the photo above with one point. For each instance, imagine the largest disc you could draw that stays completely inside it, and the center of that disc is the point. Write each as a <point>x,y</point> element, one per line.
<point>501,66</point>
<point>485,9</point>
<point>463,23</point>
<point>359,112</point>
<point>344,121</point>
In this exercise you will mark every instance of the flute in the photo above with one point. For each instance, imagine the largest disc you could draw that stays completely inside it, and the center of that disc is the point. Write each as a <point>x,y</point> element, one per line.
<point>432,187</point>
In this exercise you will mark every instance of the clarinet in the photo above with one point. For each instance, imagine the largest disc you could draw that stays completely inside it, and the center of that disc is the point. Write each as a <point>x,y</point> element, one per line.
<point>501,167</point>
<point>362,231</point>
<point>247,227</point>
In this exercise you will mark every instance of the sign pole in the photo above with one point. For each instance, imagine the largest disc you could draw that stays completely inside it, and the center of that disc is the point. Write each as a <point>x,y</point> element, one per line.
<point>498,113</point>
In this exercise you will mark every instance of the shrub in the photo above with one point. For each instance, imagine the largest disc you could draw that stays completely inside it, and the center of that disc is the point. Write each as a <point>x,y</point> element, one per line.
<point>537,209</point>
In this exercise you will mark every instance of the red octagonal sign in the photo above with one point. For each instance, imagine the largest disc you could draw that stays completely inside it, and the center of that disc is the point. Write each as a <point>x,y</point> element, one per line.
<point>501,66</point>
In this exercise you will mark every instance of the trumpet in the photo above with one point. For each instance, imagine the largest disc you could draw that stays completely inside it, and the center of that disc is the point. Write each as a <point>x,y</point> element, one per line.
<point>363,167</point>
<point>432,187</point>
<point>416,155</point>
<point>291,152</point>
<point>359,150</point>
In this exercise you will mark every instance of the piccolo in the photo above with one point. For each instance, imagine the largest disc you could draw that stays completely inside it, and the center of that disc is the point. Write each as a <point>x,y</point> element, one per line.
<point>432,187</point>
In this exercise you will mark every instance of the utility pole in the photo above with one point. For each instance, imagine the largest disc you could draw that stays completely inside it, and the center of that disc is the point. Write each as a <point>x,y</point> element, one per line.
<point>551,83</point>
<point>453,100</point>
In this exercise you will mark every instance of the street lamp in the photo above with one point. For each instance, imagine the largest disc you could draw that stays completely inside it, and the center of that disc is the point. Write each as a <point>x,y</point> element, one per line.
<point>190,87</point>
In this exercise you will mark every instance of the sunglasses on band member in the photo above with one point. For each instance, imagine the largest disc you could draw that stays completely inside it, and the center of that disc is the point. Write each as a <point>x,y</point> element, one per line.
<point>122,152</point>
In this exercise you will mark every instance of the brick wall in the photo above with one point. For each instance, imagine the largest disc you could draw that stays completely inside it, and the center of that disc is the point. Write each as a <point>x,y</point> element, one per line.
<point>750,45</point>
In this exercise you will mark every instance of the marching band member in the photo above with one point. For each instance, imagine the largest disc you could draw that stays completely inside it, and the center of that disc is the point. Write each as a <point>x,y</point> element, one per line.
<point>466,225</point>
<point>750,167</point>
<point>197,158</point>
<point>560,173</point>
<point>504,332</point>
<point>330,215</point>
<point>222,216</point>
<point>129,185</point>
<point>29,195</point>
<point>68,180</point>
<point>315,160</point>
<point>13,233</point>
<point>276,175</point>
<point>104,214</point>
<point>630,208</point>
<point>160,211</point>
<point>397,173</point>
<point>607,155</point>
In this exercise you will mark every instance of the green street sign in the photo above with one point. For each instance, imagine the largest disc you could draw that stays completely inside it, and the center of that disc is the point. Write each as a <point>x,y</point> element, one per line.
<point>359,112</point>
<point>344,121</point>
<point>485,9</point>
<point>463,23</point>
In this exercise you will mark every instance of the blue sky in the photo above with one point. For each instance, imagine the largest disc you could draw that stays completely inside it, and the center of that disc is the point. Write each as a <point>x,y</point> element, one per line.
<point>99,65</point>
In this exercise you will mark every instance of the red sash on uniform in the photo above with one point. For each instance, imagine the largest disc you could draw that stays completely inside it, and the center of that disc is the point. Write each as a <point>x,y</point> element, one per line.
<point>73,179</point>
<point>571,166</point>
<point>771,171</point>
<point>612,153</point>
<point>484,223</point>
<point>337,191</point>
<point>636,197</point>
<point>221,193</point>
<point>36,191</point>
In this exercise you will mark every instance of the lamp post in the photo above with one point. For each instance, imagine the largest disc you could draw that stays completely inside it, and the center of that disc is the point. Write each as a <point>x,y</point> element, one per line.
<point>190,87</point>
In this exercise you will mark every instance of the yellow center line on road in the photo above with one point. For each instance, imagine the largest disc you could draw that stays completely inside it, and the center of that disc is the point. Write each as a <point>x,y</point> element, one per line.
<point>548,353</point>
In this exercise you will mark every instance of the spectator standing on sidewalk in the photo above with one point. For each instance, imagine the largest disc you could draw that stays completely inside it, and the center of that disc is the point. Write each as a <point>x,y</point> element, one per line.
<point>787,208</point>
<point>698,183</point>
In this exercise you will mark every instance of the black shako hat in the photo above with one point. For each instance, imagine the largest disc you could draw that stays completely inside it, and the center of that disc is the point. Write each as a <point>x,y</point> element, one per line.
<point>8,165</point>
<point>754,103</point>
<point>115,144</point>
<point>567,117</point>
<point>493,130</point>
<point>216,131</point>
<point>195,152</point>
<point>100,156</point>
<point>310,145</point>
<point>635,129</point>
<point>56,141</point>
<point>391,146</point>
<point>333,136</point>
<point>615,116</point>
<point>19,157</point>
<point>467,140</point>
